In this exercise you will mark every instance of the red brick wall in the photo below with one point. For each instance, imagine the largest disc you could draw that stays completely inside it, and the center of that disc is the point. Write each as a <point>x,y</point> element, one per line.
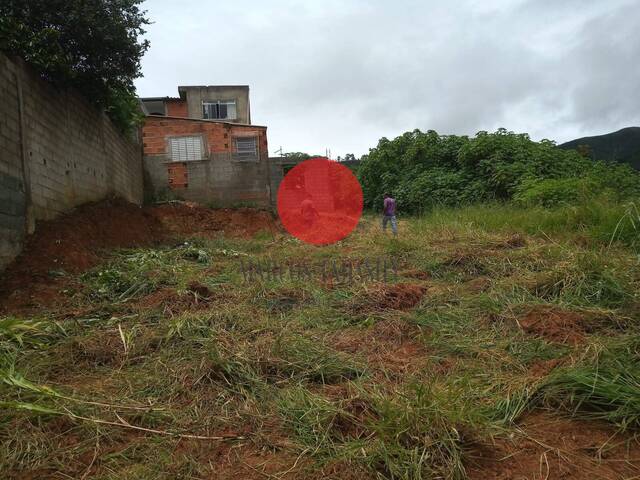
<point>177,108</point>
<point>219,136</point>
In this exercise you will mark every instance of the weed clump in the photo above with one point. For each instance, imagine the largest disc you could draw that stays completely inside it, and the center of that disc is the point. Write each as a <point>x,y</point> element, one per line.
<point>606,388</point>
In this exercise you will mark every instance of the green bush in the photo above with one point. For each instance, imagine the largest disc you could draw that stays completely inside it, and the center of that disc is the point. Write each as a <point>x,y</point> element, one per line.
<point>425,170</point>
<point>550,192</point>
<point>613,181</point>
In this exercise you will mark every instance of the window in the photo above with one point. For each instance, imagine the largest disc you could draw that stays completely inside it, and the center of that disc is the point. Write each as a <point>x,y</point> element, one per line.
<point>186,149</point>
<point>219,109</point>
<point>246,149</point>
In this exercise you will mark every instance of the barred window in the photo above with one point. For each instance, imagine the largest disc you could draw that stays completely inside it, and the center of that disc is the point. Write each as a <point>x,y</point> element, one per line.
<point>246,149</point>
<point>186,149</point>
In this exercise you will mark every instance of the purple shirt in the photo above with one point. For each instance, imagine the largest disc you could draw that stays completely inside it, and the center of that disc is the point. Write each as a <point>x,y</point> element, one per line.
<point>389,206</point>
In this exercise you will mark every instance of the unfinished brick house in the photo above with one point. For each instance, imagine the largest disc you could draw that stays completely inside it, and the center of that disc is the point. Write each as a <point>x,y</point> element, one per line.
<point>201,146</point>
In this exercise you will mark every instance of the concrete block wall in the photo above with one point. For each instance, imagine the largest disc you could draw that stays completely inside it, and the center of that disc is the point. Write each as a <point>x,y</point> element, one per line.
<point>218,179</point>
<point>13,195</point>
<point>57,151</point>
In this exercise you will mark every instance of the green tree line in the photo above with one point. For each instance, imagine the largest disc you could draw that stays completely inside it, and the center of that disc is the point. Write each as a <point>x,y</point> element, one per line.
<point>425,169</point>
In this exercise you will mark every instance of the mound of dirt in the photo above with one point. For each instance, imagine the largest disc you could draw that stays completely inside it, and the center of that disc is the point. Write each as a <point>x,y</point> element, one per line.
<point>553,447</point>
<point>555,325</point>
<point>72,241</point>
<point>186,218</point>
<point>79,239</point>
<point>399,296</point>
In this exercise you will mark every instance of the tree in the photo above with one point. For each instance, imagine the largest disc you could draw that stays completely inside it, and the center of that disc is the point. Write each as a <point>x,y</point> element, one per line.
<point>296,155</point>
<point>91,45</point>
<point>423,169</point>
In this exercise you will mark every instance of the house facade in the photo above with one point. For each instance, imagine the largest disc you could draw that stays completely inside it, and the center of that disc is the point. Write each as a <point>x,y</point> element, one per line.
<point>201,146</point>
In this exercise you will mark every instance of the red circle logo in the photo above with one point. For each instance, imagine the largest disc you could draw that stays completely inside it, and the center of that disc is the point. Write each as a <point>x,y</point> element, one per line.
<point>320,201</point>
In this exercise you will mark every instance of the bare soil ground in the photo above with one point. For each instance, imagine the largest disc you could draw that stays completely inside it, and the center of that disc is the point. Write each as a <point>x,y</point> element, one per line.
<point>79,240</point>
<point>547,446</point>
<point>133,347</point>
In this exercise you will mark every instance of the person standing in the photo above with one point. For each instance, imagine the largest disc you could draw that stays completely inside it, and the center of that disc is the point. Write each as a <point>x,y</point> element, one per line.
<point>308,211</point>
<point>389,214</point>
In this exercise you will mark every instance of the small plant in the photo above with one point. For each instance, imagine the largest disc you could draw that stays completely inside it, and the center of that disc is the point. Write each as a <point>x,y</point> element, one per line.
<point>195,253</point>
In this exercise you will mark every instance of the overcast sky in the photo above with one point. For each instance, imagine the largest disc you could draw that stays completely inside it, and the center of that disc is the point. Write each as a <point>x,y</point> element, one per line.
<point>340,74</point>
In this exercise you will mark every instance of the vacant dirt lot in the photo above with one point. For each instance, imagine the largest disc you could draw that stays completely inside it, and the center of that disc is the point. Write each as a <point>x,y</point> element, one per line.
<point>131,346</point>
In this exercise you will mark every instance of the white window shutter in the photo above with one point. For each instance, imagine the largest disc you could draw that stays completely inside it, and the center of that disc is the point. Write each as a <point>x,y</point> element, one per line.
<point>186,149</point>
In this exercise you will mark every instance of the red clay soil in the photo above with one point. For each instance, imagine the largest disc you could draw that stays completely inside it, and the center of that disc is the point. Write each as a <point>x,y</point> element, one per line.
<point>555,325</point>
<point>400,296</point>
<point>72,243</point>
<point>78,240</point>
<point>558,448</point>
<point>416,273</point>
<point>187,218</point>
<point>171,302</point>
<point>543,368</point>
<point>231,461</point>
<point>389,347</point>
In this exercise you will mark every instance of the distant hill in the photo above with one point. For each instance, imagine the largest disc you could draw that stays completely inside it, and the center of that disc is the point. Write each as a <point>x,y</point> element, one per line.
<point>621,146</point>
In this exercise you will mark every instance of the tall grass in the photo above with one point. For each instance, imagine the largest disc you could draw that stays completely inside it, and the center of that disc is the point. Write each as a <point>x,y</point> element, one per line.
<point>607,388</point>
<point>600,220</point>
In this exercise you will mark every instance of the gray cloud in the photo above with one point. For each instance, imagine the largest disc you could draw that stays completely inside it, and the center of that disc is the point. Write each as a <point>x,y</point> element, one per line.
<point>342,74</point>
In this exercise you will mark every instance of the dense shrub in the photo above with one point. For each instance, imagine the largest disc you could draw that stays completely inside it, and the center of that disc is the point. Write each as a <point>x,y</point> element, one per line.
<point>554,191</point>
<point>426,169</point>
